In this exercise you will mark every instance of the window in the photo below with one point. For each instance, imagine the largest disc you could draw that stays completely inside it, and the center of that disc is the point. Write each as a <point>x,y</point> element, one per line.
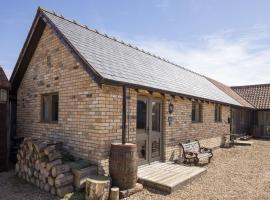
<point>218,114</point>
<point>196,112</point>
<point>268,129</point>
<point>49,109</point>
<point>241,116</point>
<point>3,95</point>
<point>141,114</point>
<point>156,106</point>
<point>256,118</point>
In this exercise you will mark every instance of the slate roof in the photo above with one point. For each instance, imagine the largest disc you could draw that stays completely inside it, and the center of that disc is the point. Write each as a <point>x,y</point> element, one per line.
<point>114,60</point>
<point>257,95</point>
<point>4,83</point>
<point>229,91</point>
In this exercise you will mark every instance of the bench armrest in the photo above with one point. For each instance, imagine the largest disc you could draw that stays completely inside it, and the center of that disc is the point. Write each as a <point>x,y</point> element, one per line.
<point>205,150</point>
<point>191,154</point>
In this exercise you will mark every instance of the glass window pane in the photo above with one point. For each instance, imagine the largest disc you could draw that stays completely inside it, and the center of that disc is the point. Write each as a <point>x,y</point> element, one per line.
<point>156,116</point>
<point>55,108</point>
<point>141,145</point>
<point>155,148</point>
<point>141,114</point>
<point>45,108</point>
<point>197,117</point>
<point>220,113</point>
<point>193,112</point>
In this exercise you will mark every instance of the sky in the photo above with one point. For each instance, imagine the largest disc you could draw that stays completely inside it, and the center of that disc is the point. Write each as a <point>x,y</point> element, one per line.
<point>227,40</point>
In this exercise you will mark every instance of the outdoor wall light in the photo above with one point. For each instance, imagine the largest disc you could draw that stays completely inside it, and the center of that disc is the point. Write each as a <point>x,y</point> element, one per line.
<point>171,108</point>
<point>170,120</point>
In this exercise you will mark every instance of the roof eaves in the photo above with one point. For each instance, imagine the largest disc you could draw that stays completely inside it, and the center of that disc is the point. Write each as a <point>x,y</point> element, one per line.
<point>135,86</point>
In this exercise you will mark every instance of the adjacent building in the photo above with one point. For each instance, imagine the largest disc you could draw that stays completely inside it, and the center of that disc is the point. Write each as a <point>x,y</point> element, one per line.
<point>259,97</point>
<point>4,120</point>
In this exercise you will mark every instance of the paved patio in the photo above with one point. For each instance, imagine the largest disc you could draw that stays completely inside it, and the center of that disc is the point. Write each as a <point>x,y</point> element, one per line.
<point>169,176</point>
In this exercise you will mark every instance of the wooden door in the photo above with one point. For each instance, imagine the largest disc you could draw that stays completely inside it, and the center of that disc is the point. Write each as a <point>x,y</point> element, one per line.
<point>149,129</point>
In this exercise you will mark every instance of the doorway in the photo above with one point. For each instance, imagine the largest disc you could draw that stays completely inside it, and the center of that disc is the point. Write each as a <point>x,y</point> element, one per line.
<point>149,129</point>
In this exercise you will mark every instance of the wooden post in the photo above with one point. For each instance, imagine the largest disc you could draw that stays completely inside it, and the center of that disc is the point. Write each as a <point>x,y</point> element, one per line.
<point>97,188</point>
<point>114,193</point>
<point>124,113</point>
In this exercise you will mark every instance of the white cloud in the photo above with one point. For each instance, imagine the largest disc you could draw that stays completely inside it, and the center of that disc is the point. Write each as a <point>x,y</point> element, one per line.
<point>240,60</point>
<point>162,4</point>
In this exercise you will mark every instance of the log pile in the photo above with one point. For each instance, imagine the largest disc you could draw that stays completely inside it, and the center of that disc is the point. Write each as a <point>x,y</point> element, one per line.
<point>40,163</point>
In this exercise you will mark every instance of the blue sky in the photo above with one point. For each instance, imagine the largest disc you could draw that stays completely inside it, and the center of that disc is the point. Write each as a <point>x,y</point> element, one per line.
<point>228,40</point>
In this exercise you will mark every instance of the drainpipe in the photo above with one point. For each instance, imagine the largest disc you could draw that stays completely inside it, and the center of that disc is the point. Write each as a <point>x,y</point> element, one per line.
<point>124,112</point>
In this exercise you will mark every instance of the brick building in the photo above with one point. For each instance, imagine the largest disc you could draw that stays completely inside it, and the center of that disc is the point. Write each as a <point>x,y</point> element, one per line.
<point>68,83</point>
<point>259,97</point>
<point>4,120</point>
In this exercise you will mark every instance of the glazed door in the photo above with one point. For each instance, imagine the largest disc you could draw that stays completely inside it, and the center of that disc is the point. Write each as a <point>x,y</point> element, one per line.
<point>148,129</point>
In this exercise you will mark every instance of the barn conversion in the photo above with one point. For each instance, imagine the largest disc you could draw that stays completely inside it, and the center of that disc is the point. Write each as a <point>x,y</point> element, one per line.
<point>69,83</point>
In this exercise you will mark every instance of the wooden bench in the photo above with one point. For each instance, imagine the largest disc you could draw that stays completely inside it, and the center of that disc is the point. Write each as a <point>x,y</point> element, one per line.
<point>193,152</point>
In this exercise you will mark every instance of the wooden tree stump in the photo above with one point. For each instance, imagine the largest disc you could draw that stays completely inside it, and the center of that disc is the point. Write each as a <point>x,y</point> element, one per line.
<point>97,188</point>
<point>62,191</point>
<point>49,149</point>
<point>60,169</point>
<point>33,180</point>
<point>39,146</point>
<point>41,185</point>
<point>50,165</point>
<point>53,191</point>
<point>114,193</point>
<point>47,187</point>
<point>54,155</point>
<point>37,159</point>
<point>63,180</point>
<point>51,181</point>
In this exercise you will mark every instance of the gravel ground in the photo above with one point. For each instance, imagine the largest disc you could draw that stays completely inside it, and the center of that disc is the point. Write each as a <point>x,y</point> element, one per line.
<point>242,172</point>
<point>13,188</point>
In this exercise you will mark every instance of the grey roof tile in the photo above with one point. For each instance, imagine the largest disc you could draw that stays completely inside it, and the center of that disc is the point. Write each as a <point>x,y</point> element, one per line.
<point>120,62</point>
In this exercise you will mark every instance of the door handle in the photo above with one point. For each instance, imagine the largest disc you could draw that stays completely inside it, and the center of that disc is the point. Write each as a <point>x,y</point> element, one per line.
<point>147,130</point>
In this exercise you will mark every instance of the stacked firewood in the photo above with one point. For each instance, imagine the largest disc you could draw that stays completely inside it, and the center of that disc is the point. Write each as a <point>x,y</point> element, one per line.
<point>40,163</point>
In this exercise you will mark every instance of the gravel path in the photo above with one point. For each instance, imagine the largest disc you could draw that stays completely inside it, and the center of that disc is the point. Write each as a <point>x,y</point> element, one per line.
<point>241,172</point>
<point>12,188</point>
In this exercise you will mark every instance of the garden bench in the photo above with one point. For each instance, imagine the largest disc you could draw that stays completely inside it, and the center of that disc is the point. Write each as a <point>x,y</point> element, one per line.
<point>193,152</point>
